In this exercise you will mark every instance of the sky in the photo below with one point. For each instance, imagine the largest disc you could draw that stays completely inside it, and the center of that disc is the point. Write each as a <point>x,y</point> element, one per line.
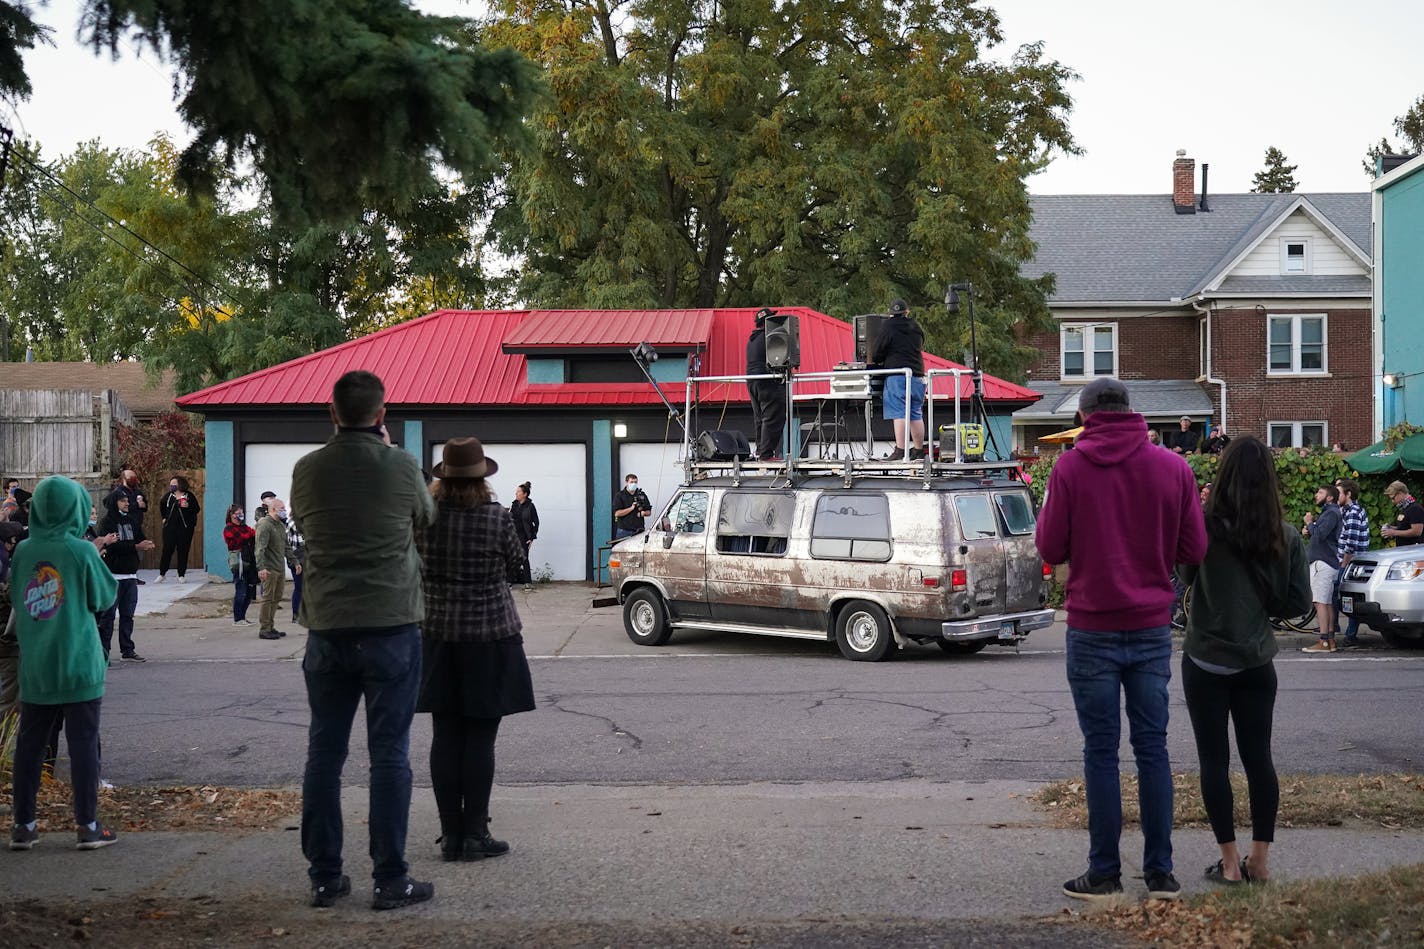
<point>1223,79</point>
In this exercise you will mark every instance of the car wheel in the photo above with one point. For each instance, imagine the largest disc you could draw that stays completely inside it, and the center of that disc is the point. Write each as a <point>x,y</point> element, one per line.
<point>1404,636</point>
<point>863,632</point>
<point>960,648</point>
<point>645,618</point>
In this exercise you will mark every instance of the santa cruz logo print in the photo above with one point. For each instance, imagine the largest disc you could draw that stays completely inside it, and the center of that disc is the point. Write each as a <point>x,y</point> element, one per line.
<point>44,594</point>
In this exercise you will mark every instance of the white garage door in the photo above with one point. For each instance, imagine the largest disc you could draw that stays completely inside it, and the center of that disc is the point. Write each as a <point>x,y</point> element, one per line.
<point>269,468</point>
<point>657,468</point>
<point>559,488</point>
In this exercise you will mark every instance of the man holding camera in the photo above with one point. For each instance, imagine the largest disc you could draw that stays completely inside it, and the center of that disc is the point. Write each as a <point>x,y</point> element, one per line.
<point>630,506</point>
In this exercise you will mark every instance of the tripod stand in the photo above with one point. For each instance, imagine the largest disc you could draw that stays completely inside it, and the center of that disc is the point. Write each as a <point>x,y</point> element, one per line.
<point>978,411</point>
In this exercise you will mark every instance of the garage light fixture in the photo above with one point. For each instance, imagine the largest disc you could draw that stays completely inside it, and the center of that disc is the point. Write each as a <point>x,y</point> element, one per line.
<point>620,430</point>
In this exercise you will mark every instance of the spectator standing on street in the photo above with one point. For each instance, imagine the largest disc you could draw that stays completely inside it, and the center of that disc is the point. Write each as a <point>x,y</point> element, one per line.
<point>526,526</point>
<point>474,671</point>
<point>122,554</point>
<point>241,542</point>
<point>272,551</point>
<point>1254,568</point>
<point>1122,513</point>
<point>179,510</point>
<point>363,605</point>
<point>1354,539</point>
<point>10,534</point>
<point>296,558</point>
<point>1408,524</point>
<point>630,507</point>
<point>1324,558</point>
<point>1184,442</point>
<point>63,583</point>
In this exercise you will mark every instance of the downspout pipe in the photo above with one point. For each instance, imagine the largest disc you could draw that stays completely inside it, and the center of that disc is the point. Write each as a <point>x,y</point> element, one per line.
<point>1206,375</point>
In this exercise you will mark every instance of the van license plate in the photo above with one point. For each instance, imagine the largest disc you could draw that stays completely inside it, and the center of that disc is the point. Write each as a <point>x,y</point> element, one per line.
<point>1007,631</point>
<point>1347,604</point>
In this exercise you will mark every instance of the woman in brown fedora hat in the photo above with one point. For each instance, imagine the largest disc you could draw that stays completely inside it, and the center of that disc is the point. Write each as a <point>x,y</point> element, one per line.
<point>474,670</point>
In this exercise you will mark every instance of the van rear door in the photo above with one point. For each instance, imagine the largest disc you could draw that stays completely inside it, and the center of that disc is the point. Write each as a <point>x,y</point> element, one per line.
<point>984,561</point>
<point>1023,569</point>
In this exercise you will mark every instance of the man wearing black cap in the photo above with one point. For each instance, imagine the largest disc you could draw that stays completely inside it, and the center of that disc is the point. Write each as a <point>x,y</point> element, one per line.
<point>768,395</point>
<point>1123,514</point>
<point>900,345</point>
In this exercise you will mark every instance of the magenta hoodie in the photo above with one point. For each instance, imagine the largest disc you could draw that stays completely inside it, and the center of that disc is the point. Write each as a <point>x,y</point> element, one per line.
<point>1121,512</point>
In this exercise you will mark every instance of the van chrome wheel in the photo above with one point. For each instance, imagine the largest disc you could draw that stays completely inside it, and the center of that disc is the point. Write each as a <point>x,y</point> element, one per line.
<point>863,632</point>
<point>645,618</point>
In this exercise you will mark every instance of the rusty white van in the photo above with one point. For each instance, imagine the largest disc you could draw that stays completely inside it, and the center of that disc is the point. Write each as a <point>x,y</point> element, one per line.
<point>872,562</point>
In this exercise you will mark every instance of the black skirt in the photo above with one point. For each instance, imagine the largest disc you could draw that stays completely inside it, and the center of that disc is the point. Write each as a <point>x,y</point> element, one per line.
<point>475,680</point>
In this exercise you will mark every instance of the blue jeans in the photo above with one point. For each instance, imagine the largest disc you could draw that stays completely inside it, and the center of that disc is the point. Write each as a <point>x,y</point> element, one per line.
<point>123,608</point>
<point>243,593</point>
<point>296,595</point>
<point>341,667</point>
<point>1102,667</point>
<point>621,532</point>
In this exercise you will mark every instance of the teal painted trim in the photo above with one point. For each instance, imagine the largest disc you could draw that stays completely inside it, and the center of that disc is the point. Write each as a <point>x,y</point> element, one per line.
<point>601,531</point>
<point>218,495</point>
<point>545,371</point>
<point>414,440</point>
<point>1400,282</point>
<point>669,370</point>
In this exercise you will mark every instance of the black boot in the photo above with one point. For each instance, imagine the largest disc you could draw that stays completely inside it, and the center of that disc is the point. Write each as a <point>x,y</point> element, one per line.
<point>481,845</point>
<point>451,846</point>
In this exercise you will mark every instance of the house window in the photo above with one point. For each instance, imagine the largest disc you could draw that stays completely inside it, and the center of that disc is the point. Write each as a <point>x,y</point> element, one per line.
<point>1295,255</point>
<point>1089,349</point>
<point>1295,344</point>
<point>1297,434</point>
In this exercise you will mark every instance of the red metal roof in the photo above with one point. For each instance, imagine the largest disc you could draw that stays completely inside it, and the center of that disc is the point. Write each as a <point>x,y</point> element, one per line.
<point>612,329</point>
<point>457,357</point>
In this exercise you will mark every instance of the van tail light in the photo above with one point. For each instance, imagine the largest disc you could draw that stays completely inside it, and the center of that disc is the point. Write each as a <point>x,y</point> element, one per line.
<point>614,562</point>
<point>1047,571</point>
<point>930,581</point>
<point>959,580</point>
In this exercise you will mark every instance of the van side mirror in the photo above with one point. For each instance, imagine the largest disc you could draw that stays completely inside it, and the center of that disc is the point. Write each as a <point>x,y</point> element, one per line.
<point>667,541</point>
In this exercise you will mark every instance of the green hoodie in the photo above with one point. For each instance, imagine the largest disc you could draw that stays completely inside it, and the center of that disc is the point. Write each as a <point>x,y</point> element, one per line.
<point>58,582</point>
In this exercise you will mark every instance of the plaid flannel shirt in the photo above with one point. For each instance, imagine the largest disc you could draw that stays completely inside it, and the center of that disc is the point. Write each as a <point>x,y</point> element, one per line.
<point>469,556</point>
<point>1354,531</point>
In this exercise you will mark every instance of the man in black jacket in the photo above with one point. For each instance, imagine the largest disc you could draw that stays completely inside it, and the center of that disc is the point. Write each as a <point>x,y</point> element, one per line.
<point>122,557</point>
<point>1185,442</point>
<point>900,345</point>
<point>768,395</point>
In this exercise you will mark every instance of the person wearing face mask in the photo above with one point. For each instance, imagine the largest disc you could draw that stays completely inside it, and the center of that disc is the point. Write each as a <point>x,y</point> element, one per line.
<point>630,506</point>
<point>138,504</point>
<point>122,556</point>
<point>179,509</point>
<point>272,552</point>
<point>296,558</point>
<point>241,542</point>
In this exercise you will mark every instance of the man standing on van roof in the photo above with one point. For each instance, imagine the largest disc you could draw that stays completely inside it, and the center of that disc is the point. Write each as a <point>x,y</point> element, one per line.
<point>1122,513</point>
<point>768,395</point>
<point>900,345</point>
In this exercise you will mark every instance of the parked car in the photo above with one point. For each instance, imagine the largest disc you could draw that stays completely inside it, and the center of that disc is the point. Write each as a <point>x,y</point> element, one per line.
<point>874,564</point>
<point>1384,590</point>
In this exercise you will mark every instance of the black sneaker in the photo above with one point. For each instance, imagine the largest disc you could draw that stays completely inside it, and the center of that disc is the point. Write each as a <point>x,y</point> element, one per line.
<point>132,657</point>
<point>22,838</point>
<point>1163,886</point>
<point>326,894</point>
<point>100,836</point>
<point>400,893</point>
<point>1089,887</point>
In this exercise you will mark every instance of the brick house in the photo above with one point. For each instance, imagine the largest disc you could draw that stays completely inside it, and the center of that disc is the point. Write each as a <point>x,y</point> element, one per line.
<point>1248,311</point>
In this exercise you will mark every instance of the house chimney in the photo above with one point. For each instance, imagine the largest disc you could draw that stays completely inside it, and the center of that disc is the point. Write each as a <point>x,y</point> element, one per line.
<point>1184,175</point>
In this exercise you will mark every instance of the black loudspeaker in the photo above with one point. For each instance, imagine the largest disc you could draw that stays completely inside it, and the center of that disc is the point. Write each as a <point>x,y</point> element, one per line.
<point>867,333</point>
<point>722,444</point>
<point>783,341</point>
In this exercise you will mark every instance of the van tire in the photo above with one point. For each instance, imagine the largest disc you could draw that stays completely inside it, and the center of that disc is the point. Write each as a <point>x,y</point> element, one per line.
<point>645,618</point>
<point>960,648</point>
<point>863,632</point>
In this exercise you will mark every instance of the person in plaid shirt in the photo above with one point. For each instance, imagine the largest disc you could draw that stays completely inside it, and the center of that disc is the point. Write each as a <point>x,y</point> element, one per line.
<point>1354,539</point>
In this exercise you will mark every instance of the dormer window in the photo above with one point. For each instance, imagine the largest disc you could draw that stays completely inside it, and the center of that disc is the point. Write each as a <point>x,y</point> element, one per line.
<point>1295,256</point>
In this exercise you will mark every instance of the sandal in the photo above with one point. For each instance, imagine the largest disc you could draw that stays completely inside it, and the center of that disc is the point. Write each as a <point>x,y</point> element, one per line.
<point>1216,873</point>
<point>1248,878</point>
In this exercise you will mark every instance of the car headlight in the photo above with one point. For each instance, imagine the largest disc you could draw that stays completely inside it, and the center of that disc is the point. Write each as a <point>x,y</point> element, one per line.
<point>1405,570</point>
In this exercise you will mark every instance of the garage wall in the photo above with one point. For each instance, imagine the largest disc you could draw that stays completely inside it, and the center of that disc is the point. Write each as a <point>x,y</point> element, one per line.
<point>558,476</point>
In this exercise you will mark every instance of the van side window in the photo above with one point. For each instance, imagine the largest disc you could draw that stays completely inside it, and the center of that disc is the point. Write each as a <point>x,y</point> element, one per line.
<point>688,513</point>
<point>754,523</point>
<point>976,517</point>
<point>1017,512</point>
<point>851,527</point>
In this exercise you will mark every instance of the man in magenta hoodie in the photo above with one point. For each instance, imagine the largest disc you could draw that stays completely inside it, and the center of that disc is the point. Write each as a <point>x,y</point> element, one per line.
<point>1122,512</point>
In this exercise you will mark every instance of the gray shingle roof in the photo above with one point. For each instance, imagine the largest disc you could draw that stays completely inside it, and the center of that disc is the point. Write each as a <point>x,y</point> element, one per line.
<point>1359,284</point>
<point>1154,398</point>
<point>1124,247</point>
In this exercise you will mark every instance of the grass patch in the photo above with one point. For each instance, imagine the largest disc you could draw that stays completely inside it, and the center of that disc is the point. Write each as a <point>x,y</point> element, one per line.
<point>1307,800</point>
<point>1380,910</point>
<point>168,808</point>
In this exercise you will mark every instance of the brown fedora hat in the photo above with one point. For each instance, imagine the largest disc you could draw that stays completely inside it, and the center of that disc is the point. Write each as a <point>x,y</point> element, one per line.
<point>465,458</point>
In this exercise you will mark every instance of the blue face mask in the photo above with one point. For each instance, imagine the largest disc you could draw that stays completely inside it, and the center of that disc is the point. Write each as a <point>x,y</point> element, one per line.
<point>92,522</point>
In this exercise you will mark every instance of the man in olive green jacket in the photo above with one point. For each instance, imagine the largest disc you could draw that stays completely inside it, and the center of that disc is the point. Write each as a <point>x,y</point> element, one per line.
<point>271,557</point>
<point>361,500</point>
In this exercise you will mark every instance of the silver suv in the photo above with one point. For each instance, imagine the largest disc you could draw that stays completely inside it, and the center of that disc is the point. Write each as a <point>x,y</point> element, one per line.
<point>1384,589</point>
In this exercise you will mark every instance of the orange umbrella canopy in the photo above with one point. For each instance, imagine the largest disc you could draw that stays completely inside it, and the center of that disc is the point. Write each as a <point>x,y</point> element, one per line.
<point>1064,437</point>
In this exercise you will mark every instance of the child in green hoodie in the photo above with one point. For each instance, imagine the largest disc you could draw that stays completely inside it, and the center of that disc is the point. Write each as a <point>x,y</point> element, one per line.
<point>57,583</point>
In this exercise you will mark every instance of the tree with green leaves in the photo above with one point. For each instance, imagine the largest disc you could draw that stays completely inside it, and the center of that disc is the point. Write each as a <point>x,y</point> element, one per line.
<point>754,152</point>
<point>1276,177</point>
<point>341,106</point>
<point>1409,127</point>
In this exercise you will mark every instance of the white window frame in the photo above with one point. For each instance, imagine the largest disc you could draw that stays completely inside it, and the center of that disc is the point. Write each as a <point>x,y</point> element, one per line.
<point>1295,427</point>
<point>1295,321</point>
<point>1285,256</point>
<point>1088,331</point>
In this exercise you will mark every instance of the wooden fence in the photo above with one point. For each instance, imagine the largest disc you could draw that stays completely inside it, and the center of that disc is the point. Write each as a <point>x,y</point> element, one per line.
<point>59,431</point>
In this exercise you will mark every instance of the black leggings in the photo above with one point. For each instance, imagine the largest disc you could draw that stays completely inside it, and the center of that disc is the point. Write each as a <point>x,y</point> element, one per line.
<point>1248,698</point>
<point>176,539</point>
<point>462,772</point>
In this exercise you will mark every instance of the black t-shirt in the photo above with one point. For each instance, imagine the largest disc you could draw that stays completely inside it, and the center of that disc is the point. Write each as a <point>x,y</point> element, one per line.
<point>756,353</point>
<point>1186,441</point>
<point>1405,518</point>
<point>633,520</point>
<point>900,345</point>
